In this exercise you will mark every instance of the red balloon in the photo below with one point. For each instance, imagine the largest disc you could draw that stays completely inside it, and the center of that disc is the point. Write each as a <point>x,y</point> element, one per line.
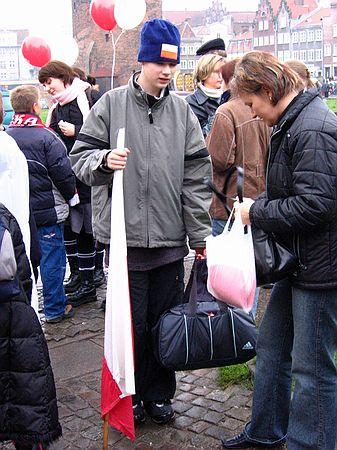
<point>36,51</point>
<point>102,13</point>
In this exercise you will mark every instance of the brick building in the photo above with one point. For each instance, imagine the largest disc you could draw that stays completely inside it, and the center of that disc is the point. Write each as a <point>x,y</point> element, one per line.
<point>13,65</point>
<point>240,44</point>
<point>95,47</point>
<point>330,42</point>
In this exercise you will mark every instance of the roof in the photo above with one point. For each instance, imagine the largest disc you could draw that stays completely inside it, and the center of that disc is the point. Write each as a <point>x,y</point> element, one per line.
<point>242,16</point>
<point>242,36</point>
<point>177,17</point>
<point>299,10</point>
<point>186,31</point>
<point>313,18</point>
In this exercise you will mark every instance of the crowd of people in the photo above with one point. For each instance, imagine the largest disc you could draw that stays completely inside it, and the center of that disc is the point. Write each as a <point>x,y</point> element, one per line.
<point>255,112</point>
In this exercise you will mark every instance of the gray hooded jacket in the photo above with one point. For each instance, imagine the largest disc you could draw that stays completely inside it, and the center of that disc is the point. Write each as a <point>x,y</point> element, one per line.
<point>164,194</point>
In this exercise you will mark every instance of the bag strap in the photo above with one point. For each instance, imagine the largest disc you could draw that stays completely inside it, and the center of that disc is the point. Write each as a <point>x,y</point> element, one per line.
<point>192,300</point>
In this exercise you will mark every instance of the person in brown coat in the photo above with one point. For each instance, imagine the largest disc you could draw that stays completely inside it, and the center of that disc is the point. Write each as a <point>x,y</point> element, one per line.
<point>236,138</point>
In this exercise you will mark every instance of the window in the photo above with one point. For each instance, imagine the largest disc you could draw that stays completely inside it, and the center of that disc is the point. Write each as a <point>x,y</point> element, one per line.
<point>261,25</point>
<point>311,35</point>
<point>286,55</point>
<point>280,38</point>
<point>283,21</point>
<point>311,55</point>
<point>2,64</point>
<point>335,50</point>
<point>334,31</point>
<point>327,49</point>
<point>286,38</point>
<point>256,42</point>
<point>261,41</point>
<point>303,36</point>
<point>295,54</point>
<point>183,64</point>
<point>280,55</point>
<point>266,40</point>
<point>11,64</point>
<point>303,55</point>
<point>191,50</point>
<point>266,25</point>
<point>183,50</point>
<point>271,39</point>
<point>318,35</point>
<point>318,54</point>
<point>191,64</point>
<point>295,37</point>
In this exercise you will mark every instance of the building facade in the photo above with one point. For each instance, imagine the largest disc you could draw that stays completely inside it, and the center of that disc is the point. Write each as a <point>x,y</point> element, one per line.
<point>13,65</point>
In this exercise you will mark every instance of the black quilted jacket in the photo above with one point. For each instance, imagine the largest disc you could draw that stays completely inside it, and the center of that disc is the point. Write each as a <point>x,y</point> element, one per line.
<point>300,203</point>
<point>28,408</point>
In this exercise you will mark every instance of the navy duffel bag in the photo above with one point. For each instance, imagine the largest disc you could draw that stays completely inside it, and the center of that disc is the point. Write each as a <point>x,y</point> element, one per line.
<point>203,332</point>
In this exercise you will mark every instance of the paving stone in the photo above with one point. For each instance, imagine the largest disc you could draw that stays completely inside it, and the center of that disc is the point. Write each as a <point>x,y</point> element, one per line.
<point>236,400</point>
<point>239,413</point>
<point>85,413</point>
<point>93,434</point>
<point>189,379</point>
<point>213,417</point>
<point>200,391</point>
<point>201,401</point>
<point>181,407</point>
<point>196,412</point>
<point>75,403</point>
<point>218,395</point>
<point>64,412</point>
<point>232,424</point>
<point>200,372</point>
<point>186,387</point>
<point>216,432</point>
<point>183,422</point>
<point>185,397</point>
<point>198,427</point>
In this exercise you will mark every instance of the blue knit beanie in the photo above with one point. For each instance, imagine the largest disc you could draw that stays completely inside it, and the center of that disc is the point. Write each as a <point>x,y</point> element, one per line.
<point>159,42</point>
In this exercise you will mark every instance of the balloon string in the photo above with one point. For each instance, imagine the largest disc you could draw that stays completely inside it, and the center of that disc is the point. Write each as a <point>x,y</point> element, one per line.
<point>114,44</point>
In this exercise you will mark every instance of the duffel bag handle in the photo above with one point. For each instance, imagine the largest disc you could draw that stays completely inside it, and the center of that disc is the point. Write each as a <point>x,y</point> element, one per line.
<point>193,294</point>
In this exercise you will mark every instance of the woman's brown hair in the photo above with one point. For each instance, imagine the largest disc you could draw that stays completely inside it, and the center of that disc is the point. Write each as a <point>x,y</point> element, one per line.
<point>302,71</point>
<point>228,69</point>
<point>259,71</point>
<point>57,69</point>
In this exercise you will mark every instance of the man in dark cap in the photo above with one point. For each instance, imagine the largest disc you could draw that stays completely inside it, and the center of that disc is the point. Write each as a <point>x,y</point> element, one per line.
<point>216,46</point>
<point>165,199</point>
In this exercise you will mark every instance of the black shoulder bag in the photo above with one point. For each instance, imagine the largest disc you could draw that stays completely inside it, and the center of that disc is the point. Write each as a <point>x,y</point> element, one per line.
<point>203,332</point>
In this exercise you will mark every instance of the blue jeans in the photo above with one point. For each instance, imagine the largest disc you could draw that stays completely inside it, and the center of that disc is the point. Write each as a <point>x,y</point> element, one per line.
<point>297,338</point>
<point>217,228</point>
<point>52,269</point>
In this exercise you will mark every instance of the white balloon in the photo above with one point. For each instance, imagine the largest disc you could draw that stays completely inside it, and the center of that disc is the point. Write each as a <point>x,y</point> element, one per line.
<point>129,13</point>
<point>65,50</point>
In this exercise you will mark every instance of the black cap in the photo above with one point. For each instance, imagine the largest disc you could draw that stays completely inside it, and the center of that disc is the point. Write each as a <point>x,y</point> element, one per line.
<point>209,46</point>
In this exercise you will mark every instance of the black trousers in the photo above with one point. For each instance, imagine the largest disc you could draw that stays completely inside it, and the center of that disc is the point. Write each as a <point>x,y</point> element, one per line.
<point>153,292</point>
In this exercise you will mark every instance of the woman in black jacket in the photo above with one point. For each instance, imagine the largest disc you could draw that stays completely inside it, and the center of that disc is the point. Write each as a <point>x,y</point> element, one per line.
<point>66,118</point>
<point>207,96</point>
<point>298,334</point>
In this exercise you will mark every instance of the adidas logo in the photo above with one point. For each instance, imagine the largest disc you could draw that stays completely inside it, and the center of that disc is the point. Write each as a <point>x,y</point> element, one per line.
<point>248,346</point>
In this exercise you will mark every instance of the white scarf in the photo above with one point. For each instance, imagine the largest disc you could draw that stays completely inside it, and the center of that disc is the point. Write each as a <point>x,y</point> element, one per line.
<point>213,93</point>
<point>75,90</point>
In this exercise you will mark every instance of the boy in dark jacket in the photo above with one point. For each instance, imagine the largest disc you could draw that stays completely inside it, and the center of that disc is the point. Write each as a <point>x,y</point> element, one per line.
<point>52,187</point>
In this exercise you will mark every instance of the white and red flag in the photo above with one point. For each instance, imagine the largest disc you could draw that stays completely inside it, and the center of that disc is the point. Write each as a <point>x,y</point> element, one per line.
<point>118,384</point>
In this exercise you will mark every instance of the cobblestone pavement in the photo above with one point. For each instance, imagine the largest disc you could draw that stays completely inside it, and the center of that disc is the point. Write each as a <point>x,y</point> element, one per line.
<point>204,412</point>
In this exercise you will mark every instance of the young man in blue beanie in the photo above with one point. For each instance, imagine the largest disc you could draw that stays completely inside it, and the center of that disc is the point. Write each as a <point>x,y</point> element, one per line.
<point>164,163</point>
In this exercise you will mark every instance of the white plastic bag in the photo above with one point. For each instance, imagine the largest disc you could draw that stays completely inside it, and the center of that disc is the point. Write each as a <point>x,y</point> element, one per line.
<point>231,265</point>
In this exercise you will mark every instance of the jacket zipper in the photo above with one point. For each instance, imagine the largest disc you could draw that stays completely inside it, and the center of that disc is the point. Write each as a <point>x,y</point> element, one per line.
<point>269,153</point>
<point>298,252</point>
<point>149,113</point>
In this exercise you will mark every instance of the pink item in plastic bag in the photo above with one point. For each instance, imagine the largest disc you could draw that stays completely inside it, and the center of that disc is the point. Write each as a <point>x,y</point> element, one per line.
<point>231,266</point>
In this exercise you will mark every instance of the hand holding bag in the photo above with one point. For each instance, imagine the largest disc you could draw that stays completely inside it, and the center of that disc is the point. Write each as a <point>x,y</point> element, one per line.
<point>203,332</point>
<point>273,260</point>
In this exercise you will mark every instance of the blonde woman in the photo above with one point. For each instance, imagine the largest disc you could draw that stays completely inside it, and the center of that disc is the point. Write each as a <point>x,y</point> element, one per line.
<point>207,96</point>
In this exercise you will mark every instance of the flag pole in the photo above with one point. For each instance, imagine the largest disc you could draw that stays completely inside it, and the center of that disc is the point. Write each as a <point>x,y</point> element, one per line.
<point>106,432</point>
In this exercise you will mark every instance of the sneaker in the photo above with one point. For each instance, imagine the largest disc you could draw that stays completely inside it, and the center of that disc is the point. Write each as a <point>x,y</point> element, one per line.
<point>69,312</point>
<point>138,413</point>
<point>160,412</point>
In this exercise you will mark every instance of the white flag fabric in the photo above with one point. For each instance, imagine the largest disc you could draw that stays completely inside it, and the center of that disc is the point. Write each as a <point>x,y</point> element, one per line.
<point>118,384</point>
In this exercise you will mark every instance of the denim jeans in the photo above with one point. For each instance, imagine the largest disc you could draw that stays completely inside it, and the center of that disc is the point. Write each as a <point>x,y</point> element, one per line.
<point>217,228</point>
<point>297,338</point>
<point>52,269</point>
